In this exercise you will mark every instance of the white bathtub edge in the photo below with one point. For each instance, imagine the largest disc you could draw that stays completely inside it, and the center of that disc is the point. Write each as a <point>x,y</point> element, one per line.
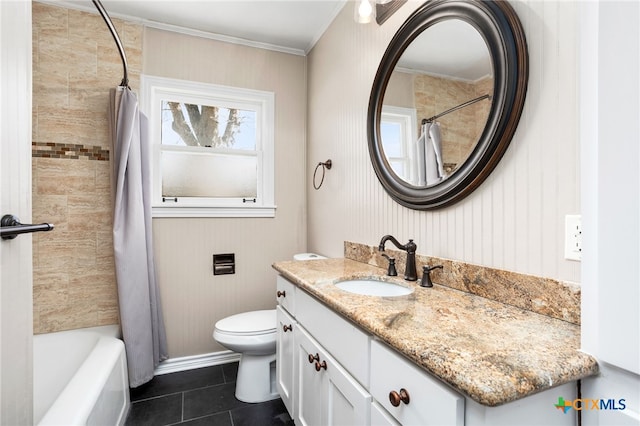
<point>84,383</point>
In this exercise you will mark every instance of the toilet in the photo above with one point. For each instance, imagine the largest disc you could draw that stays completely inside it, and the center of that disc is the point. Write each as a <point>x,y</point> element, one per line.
<point>253,335</point>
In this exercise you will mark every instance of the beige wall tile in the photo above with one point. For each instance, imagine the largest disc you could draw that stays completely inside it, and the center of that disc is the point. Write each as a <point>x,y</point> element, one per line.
<point>103,177</point>
<point>75,64</point>
<point>131,36</point>
<point>60,54</point>
<point>52,21</point>
<point>104,257</point>
<point>90,29</point>
<point>53,87</point>
<point>65,317</point>
<point>51,209</point>
<point>53,294</point>
<point>80,126</point>
<point>48,278</point>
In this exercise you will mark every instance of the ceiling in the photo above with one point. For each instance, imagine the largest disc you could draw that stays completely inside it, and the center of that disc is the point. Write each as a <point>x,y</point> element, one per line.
<point>451,48</point>
<point>292,26</point>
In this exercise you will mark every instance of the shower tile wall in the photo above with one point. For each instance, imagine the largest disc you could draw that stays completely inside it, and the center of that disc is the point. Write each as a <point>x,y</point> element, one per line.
<point>75,63</point>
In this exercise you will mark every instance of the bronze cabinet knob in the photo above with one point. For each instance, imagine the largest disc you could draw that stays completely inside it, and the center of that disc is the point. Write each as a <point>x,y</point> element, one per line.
<point>286,328</point>
<point>395,398</point>
<point>320,366</point>
<point>281,293</point>
<point>313,358</point>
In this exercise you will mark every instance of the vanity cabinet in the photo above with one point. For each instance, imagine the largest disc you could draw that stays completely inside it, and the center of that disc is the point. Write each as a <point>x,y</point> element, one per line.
<point>331,372</point>
<point>326,371</point>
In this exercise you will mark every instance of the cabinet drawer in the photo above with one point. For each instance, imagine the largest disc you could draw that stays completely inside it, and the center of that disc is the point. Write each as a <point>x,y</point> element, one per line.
<point>286,294</point>
<point>346,342</point>
<point>430,401</point>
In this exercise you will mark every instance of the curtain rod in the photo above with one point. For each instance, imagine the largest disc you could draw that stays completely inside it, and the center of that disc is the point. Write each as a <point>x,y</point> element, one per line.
<point>455,108</point>
<point>114,33</point>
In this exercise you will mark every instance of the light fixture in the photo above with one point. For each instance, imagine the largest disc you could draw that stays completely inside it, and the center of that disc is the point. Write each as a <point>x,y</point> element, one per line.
<point>364,12</point>
<point>380,10</point>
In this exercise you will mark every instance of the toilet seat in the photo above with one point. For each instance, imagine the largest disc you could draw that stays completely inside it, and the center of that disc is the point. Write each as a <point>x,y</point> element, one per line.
<point>253,323</point>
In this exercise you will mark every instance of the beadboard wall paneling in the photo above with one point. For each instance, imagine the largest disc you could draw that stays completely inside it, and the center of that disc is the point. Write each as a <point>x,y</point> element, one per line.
<point>193,298</point>
<point>515,219</point>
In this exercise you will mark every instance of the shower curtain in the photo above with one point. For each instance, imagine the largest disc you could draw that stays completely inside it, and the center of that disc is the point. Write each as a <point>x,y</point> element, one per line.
<point>429,155</point>
<point>139,299</point>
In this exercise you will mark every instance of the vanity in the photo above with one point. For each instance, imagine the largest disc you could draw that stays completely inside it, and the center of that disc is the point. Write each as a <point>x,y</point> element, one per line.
<point>435,356</point>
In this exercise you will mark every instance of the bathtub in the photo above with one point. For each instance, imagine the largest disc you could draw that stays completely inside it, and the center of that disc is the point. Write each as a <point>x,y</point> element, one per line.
<point>80,378</point>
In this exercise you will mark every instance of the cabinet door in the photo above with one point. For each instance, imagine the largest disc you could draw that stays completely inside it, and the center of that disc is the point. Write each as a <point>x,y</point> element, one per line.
<point>347,403</point>
<point>327,394</point>
<point>310,384</point>
<point>285,359</point>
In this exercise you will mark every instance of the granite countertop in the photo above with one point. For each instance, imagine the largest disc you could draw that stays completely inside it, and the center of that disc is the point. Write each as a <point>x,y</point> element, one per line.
<point>489,351</point>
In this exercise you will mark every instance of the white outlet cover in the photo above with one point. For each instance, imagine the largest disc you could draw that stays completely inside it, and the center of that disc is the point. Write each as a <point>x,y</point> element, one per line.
<point>573,237</point>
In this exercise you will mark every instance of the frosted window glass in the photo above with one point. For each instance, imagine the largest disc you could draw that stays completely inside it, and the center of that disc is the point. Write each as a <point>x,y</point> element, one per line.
<point>185,174</point>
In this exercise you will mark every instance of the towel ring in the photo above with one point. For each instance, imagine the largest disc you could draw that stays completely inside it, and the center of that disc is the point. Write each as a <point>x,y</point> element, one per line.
<point>325,166</point>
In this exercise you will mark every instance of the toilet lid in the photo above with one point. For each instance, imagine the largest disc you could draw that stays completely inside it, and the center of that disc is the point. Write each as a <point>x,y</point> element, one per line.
<point>255,322</point>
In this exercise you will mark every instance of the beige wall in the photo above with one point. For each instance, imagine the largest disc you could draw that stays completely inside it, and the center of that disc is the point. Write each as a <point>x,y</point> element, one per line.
<point>75,63</point>
<point>193,298</point>
<point>515,220</point>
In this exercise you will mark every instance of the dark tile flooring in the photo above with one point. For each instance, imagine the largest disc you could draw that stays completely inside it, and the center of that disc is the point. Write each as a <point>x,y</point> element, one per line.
<point>204,396</point>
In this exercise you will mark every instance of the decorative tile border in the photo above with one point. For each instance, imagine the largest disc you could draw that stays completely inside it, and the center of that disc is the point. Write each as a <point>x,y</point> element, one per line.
<point>69,151</point>
<point>545,296</point>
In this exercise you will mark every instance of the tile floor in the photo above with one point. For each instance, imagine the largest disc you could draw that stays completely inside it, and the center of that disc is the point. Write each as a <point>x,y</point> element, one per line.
<point>204,396</point>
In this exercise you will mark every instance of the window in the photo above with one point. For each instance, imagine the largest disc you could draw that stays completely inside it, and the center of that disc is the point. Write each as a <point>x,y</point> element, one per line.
<point>398,127</point>
<point>213,149</point>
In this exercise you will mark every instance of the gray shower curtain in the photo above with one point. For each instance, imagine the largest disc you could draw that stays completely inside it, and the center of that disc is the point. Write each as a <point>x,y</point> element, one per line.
<point>139,299</point>
<point>429,155</point>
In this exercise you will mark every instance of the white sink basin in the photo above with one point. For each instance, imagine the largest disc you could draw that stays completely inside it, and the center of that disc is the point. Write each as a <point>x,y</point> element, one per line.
<point>370,287</point>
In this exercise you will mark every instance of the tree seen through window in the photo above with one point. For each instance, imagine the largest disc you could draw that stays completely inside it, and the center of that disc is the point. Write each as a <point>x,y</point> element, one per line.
<point>207,126</point>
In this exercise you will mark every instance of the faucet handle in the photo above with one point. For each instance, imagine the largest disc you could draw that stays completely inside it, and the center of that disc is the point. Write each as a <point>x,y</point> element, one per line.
<point>426,275</point>
<point>392,272</point>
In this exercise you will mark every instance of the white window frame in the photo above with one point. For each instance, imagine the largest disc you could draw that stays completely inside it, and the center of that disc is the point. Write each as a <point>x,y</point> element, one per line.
<point>407,118</point>
<point>156,89</point>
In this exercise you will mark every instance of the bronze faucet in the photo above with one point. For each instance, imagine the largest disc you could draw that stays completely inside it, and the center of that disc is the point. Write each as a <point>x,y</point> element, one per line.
<point>410,273</point>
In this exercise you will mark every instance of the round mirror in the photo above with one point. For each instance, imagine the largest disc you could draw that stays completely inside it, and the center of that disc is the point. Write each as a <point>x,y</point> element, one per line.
<point>446,100</point>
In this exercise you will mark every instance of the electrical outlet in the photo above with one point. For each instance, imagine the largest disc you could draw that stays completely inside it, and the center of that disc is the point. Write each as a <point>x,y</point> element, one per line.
<point>573,237</point>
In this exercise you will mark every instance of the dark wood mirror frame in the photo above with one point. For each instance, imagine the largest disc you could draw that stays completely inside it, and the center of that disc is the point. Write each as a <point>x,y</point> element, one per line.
<point>501,29</point>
